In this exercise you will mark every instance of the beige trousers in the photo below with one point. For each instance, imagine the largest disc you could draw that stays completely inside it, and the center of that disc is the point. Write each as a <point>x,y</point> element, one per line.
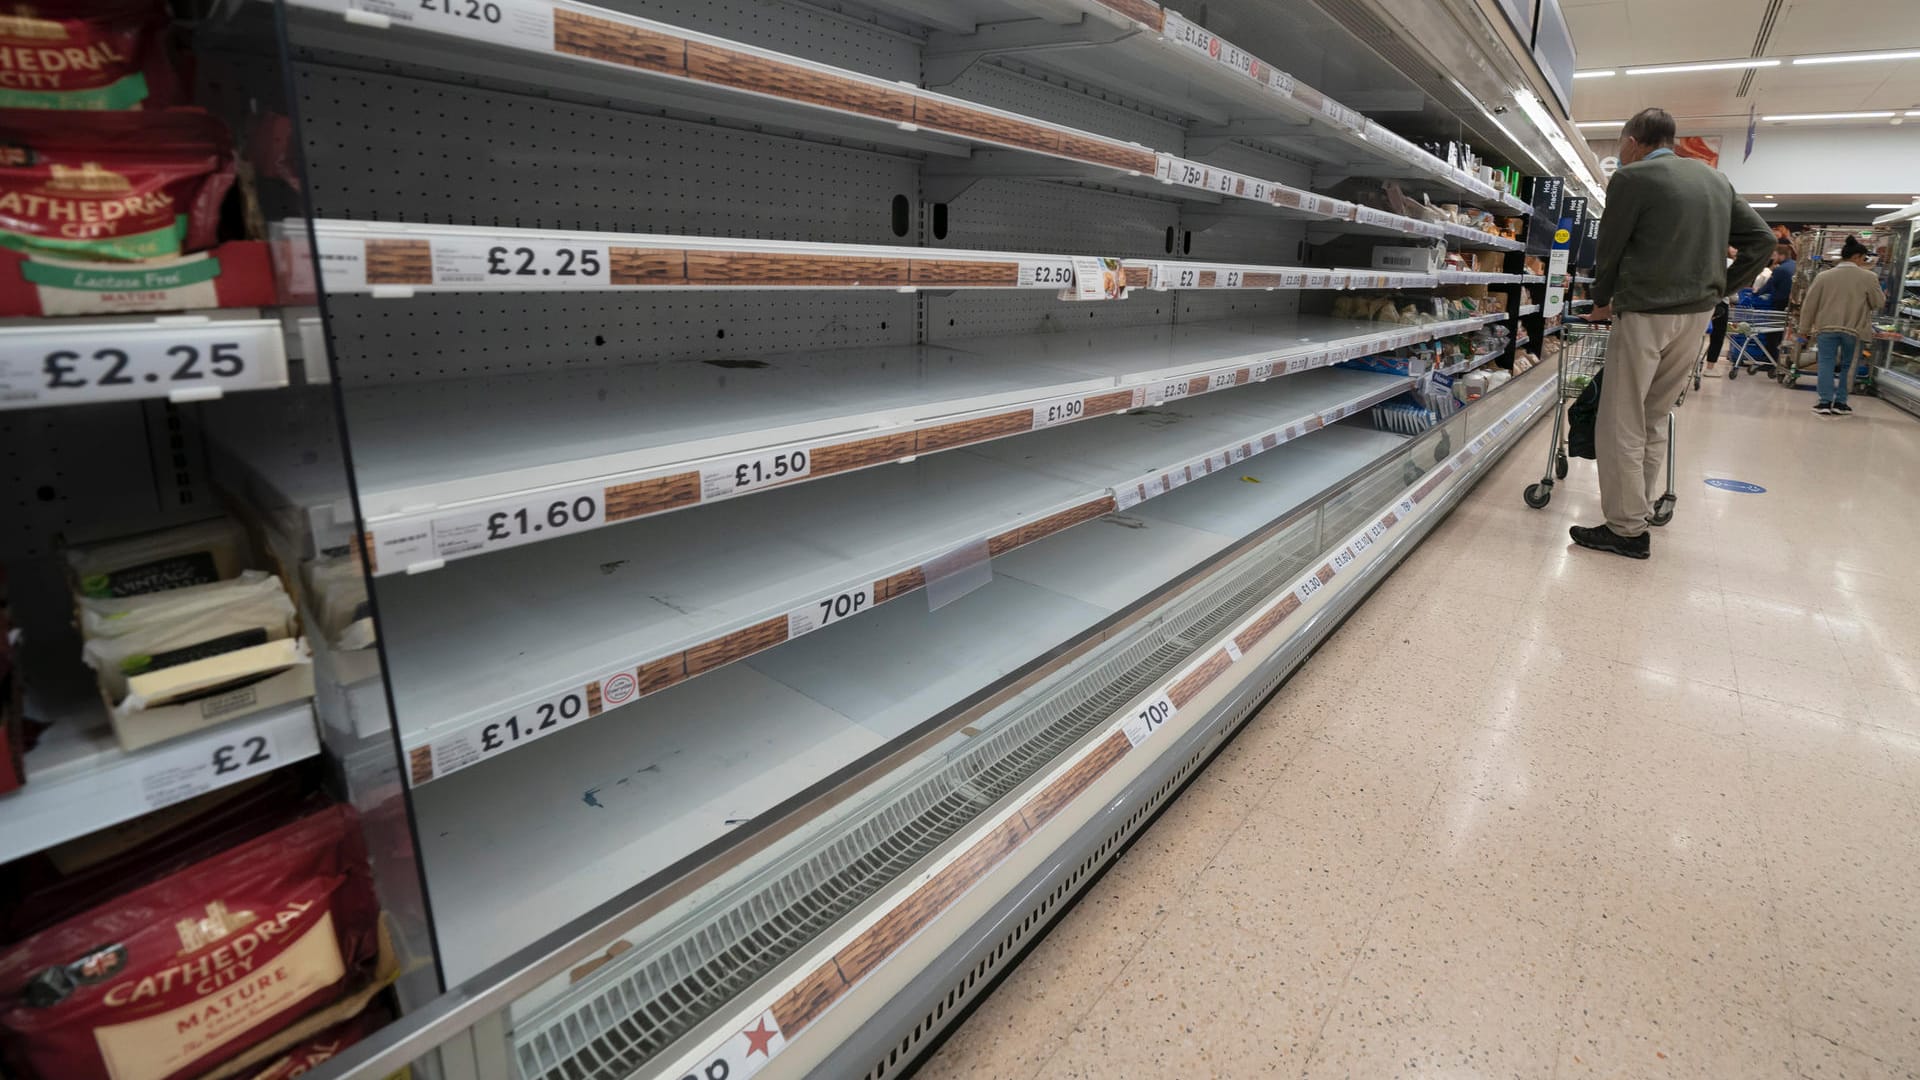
<point>1649,358</point>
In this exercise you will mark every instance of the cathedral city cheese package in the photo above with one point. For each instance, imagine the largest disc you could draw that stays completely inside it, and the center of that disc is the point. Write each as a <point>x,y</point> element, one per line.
<point>86,54</point>
<point>171,979</point>
<point>112,186</point>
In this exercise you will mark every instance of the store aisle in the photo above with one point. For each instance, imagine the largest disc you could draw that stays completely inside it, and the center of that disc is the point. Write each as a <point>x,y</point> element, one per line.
<point>1537,811</point>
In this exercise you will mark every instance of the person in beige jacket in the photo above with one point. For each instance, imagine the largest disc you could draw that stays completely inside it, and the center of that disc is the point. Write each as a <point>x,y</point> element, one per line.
<point>1838,314</point>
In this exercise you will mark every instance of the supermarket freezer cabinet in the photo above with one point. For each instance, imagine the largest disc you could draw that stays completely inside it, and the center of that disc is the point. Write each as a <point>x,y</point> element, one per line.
<point>715,509</point>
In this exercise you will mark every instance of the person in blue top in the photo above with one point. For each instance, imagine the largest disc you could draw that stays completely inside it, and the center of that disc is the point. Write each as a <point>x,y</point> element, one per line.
<point>1775,294</point>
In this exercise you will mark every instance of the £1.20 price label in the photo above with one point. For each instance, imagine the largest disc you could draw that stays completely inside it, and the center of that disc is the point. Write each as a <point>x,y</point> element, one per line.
<point>85,363</point>
<point>521,24</point>
<point>481,262</point>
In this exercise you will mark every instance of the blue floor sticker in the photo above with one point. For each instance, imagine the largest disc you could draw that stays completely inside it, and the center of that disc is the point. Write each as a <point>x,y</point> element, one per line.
<point>1740,486</point>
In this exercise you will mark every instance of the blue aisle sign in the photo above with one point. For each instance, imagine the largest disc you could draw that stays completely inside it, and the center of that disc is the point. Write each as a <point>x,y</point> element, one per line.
<point>1740,486</point>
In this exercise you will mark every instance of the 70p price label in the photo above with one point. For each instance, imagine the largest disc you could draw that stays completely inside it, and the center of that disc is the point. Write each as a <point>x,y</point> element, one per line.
<point>78,365</point>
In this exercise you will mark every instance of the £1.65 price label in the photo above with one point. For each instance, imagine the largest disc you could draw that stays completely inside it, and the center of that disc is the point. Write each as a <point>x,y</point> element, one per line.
<point>506,263</point>
<point>85,363</point>
<point>1149,718</point>
<point>828,610</point>
<point>737,476</point>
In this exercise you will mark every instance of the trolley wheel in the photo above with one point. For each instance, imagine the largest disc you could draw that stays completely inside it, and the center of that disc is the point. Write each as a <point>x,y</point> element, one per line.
<point>1696,382</point>
<point>1559,466</point>
<point>1733,370</point>
<point>1538,495</point>
<point>1663,510</point>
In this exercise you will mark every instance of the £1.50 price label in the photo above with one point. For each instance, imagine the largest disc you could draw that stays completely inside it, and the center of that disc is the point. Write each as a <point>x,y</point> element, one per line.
<point>1149,718</point>
<point>506,263</point>
<point>740,475</point>
<point>80,364</point>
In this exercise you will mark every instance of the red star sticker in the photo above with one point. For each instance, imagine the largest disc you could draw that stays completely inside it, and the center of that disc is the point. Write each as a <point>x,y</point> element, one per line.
<point>760,1039</point>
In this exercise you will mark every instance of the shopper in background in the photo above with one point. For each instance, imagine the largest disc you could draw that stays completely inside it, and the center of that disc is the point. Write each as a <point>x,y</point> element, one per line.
<point>1778,292</point>
<point>1662,267</point>
<point>1838,312</point>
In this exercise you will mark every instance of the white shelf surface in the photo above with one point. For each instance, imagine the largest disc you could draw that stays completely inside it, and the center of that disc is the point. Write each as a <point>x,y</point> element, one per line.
<point>1529,309</point>
<point>1477,277</point>
<point>699,590</point>
<point>599,807</point>
<point>441,453</point>
<point>196,356</point>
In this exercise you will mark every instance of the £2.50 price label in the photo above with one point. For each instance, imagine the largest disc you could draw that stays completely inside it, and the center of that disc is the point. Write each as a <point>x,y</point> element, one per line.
<point>1057,273</point>
<point>80,364</point>
<point>494,263</point>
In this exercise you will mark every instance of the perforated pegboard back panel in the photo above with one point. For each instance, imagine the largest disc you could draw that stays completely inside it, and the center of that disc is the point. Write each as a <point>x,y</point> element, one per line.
<point>815,32</point>
<point>450,336</point>
<point>1007,84</point>
<point>85,471</point>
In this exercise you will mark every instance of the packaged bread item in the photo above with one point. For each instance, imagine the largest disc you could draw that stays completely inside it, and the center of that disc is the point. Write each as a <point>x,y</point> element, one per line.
<point>173,978</point>
<point>197,554</point>
<point>86,54</point>
<point>175,633</point>
<point>112,187</point>
<point>118,616</point>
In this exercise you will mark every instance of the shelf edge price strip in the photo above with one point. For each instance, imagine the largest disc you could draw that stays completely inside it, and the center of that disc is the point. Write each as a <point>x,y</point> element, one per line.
<point>184,361</point>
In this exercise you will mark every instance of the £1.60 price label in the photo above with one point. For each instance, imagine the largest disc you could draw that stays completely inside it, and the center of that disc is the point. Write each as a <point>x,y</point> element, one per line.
<point>828,610</point>
<point>737,476</point>
<point>104,362</point>
<point>490,527</point>
<point>481,262</point>
<point>1149,718</point>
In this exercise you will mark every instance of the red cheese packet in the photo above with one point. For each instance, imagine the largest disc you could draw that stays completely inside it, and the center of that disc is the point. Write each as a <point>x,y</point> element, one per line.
<point>87,55</point>
<point>112,186</point>
<point>321,1048</point>
<point>175,977</point>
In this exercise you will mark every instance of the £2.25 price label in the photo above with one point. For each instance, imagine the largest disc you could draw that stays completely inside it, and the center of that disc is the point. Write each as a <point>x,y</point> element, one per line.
<point>504,263</point>
<point>83,363</point>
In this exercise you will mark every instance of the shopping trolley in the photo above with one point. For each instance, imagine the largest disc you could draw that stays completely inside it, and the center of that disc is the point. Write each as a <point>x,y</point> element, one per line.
<point>1583,352</point>
<point>1749,323</point>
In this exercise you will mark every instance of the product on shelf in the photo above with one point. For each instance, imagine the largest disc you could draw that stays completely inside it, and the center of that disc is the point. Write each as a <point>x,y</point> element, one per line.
<point>323,1047</point>
<point>188,625</point>
<point>201,553</point>
<point>183,974</point>
<point>111,186</point>
<point>113,617</point>
<point>337,590</point>
<point>86,55</point>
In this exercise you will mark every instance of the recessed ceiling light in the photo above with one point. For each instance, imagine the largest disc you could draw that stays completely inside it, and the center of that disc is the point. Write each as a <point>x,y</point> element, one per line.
<point>1763,205</point>
<point>1829,116</point>
<point>1601,74</point>
<point>1600,123</point>
<point>1710,65</point>
<point>1913,112</point>
<point>1850,58</point>
<point>1888,205</point>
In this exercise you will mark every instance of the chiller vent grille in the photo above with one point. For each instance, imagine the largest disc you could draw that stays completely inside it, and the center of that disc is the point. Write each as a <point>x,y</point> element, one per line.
<point>627,1013</point>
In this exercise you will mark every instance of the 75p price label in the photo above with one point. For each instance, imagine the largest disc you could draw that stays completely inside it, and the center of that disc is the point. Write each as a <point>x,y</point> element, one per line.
<point>517,264</point>
<point>194,359</point>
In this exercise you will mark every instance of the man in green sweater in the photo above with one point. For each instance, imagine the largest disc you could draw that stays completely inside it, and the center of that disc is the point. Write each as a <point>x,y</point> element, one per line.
<point>1661,266</point>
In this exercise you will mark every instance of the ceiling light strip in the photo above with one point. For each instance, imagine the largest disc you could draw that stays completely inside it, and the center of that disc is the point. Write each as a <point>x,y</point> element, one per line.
<point>1712,65</point>
<point>1854,58</point>
<point>1781,117</point>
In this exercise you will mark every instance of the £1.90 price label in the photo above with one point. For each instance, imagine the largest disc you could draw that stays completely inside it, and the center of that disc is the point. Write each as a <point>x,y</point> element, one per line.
<point>1149,718</point>
<point>1059,411</point>
<point>491,263</point>
<point>80,364</point>
<point>739,475</point>
<point>1056,274</point>
<point>828,610</point>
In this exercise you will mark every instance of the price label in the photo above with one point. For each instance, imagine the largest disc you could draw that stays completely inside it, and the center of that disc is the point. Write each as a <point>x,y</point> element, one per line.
<point>1059,411</point>
<point>1183,32</point>
<point>1055,273</point>
<point>1241,61</point>
<point>494,526</point>
<point>1361,542</point>
<point>1221,181</point>
<point>1149,718</point>
<point>1308,586</point>
<point>1313,204</point>
<point>1260,371</point>
<point>1259,190</point>
<point>1233,650</point>
<point>828,610</point>
<point>1342,559</point>
<point>1406,506</point>
<point>179,774</point>
<point>79,364</point>
<point>1281,82</point>
<point>1171,390</point>
<point>1335,415</point>
<point>1125,498</point>
<point>481,262</point>
<point>1223,380</point>
<point>522,24</point>
<point>535,722</point>
<point>1186,173</point>
<point>1378,529</point>
<point>743,1055</point>
<point>740,475</point>
<point>1296,364</point>
<point>1317,281</point>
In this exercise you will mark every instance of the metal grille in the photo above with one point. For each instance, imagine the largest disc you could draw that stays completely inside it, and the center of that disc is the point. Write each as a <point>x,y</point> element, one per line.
<point>630,1012</point>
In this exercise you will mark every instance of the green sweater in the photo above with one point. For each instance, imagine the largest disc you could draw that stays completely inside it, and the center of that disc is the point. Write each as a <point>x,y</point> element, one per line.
<point>1664,237</point>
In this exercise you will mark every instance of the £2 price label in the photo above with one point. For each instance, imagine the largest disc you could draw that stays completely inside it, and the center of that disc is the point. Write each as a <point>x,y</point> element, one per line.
<point>172,775</point>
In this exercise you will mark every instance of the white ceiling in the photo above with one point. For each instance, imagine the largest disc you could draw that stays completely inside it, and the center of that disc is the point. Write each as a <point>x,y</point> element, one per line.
<point>1623,33</point>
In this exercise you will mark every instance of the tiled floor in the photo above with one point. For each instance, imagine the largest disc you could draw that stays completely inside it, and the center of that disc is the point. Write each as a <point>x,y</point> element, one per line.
<point>1541,812</point>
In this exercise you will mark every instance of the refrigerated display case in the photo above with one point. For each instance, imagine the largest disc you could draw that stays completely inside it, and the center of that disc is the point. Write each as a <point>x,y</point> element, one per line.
<point>770,496</point>
<point>1897,377</point>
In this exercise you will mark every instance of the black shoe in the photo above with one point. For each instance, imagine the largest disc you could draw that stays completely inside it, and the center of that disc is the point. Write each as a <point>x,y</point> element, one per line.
<point>1840,409</point>
<point>1601,538</point>
<point>1825,408</point>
